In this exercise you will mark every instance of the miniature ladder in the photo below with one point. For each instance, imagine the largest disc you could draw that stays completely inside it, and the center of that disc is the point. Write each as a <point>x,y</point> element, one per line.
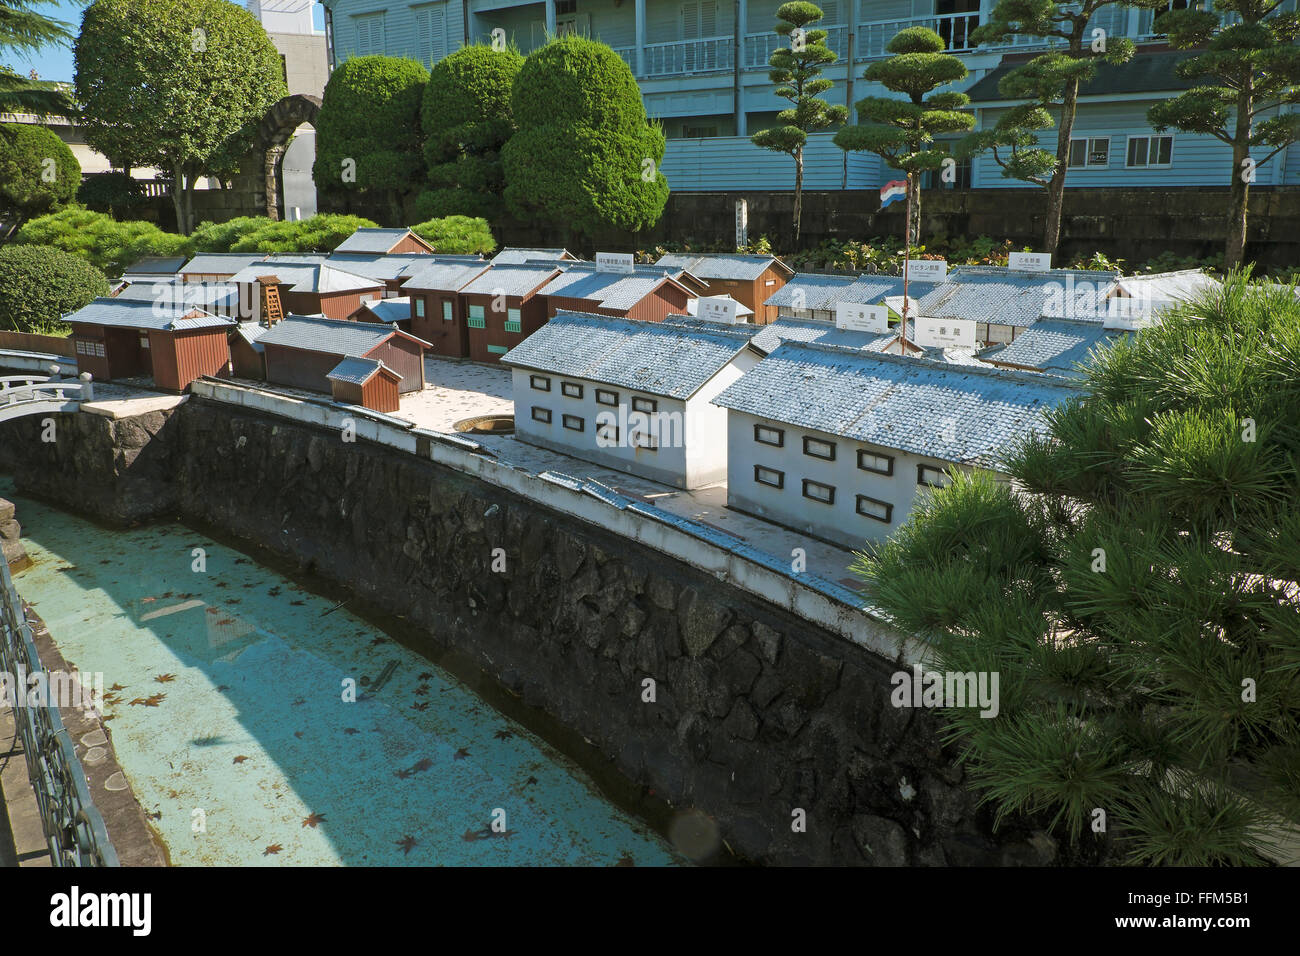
<point>272,311</point>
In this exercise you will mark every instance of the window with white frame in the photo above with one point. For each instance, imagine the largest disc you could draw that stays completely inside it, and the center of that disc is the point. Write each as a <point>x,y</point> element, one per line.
<point>766,435</point>
<point>574,423</point>
<point>605,397</point>
<point>872,508</point>
<point>1092,152</point>
<point>571,389</point>
<point>879,464</point>
<point>932,477</point>
<point>540,382</point>
<point>816,448</point>
<point>514,320</point>
<point>446,311</point>
<point>419,307</point>
<point>542,415</point>
<point>370,34</point>
<point>816,491</point>
<point>477,317</point>
<point>1147,151</point>
<point>769,476</point>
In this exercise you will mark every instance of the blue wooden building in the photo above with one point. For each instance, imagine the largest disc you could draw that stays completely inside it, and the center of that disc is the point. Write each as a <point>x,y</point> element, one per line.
<point>702,68</point>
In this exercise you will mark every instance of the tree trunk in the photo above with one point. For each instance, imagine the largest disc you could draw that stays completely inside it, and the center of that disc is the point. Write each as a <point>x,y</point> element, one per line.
<point>1234,251</point>
<point>1056,188</point>
<point>798,195</point>
<point>178,197</point>
<point>914,208</point>
<point>190,182</point>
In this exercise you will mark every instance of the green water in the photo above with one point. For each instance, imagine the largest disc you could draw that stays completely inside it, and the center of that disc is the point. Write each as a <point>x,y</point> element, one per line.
<point>224,695</point>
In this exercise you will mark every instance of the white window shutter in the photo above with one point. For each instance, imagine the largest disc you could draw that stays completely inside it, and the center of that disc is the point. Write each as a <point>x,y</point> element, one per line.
<point>708,18</point>
<point>437,33</point>
<point>423,39</point>
<point>690,21</point>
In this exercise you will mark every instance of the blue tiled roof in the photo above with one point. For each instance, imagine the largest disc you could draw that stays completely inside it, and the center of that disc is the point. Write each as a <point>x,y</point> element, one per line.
<point>1005,296</point>
<point>743,268</point>
<point>137,314</point>
<point>209,295</point>
<point>609,290</point>
<point>512,256</point>
<point>812,330</point>
<point>442,276</point>
<point>516,280</point>
<point>306,277</point>
<point>333,336</point>
<point>357,371</point>
<point>372,240</point>
<point>669,359</point>
<point>220,263</point>
<point>1052,345</point>
<point>961,414</point>
<point>388,311</point>
<point>810,290</point>
<point>385,268</point>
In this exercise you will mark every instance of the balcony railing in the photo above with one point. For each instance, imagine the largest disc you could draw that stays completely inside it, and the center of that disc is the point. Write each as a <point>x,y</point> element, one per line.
<point>708,55</point>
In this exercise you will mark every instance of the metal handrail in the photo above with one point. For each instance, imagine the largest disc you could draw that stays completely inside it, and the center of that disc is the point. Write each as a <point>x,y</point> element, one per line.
<point>74,827</point>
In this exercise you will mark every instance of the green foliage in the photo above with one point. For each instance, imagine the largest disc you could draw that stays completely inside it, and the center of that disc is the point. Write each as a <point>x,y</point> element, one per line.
<point>1136,591</point>
<point>467,120</point>
<point>177,84</point>
<point>102,241</point>
<point>113,193</point>
<point>457,235</point>
<point>368,138</point>
<point>585,155</point>
<point>319,233</point>
<point>220,236</point>
<point>22,94</point>
<point>29,183</point>
<point>38,284</point>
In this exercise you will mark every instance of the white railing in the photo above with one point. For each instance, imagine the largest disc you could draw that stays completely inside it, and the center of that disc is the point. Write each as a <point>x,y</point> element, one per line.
<point>31,395</point>
<point>709,55</point>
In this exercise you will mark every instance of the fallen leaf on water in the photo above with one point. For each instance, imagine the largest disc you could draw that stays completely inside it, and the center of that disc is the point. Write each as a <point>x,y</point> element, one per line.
<point>503,735</point>
<point>460,754</point>
<point>350,731</point>
<point>375,642</point>
<point>426,676</point>
<point>422,765</point>
<point>273,849</point>
<point>155,700</point>
<point>402,774</point>
<point>117,687</point>
<point>407,843</point>
<point>421,706</point>
<point>469,836</point>
<point>530,781</point>
<point>223,687</point>
<point>421,690</point>
<point>298,734</point>
<point>240,759</point>
<point>626,860</point>
<point>139,700</point>
<point>313,820</point>
<point>165,678</point>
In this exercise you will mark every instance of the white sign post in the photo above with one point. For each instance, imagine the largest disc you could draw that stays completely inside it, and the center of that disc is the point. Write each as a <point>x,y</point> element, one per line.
<point>615,262</point>
<point>856,317</point>
<point>927,270</point>
<point>1030,261</point>
<point>718,308</point>
<point>742,223</point>
<point>942,333</point>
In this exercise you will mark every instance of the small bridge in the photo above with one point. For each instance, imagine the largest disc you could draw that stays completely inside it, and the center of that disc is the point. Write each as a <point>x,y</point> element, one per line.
<point>31,394</point>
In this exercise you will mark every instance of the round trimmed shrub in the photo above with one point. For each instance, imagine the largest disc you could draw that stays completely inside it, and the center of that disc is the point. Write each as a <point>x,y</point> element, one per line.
<point>37,170</point>
<point>39,284</point>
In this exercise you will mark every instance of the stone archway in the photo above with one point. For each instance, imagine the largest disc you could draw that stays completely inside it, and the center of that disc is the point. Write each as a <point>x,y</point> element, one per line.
<point>273,134</point>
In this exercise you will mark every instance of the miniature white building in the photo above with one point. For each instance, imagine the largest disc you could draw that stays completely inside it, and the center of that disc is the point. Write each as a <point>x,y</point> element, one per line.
<point>839,443</point>
<point>631,395</point>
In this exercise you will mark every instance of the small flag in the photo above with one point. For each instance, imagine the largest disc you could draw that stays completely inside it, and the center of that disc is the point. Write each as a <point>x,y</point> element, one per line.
<point>892,192</point>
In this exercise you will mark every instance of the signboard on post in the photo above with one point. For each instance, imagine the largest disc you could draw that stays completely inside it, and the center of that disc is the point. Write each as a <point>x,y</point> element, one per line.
<point>718,308</point>
<point>927,270</point>
<point>742,223</point>
<point>942,333</point>
<point>1030,261</point>
<point>615,262</point>
<point>856,317</point>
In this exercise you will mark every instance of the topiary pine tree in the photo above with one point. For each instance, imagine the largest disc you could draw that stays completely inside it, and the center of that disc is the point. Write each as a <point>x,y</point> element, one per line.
<point>1135,588</point>
<point>585,156</point>
<point>467,120</point>
<point>368,139</point>
<point>797,67</point>
<point>1249,69</point>
<point>902,132</point>
<point>1050,82</point>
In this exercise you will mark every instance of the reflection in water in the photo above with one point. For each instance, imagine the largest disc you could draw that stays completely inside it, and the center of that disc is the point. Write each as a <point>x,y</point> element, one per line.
<point>229,706</point>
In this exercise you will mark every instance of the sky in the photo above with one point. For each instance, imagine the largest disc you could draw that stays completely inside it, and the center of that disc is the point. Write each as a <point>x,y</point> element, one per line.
<point>55,62</point>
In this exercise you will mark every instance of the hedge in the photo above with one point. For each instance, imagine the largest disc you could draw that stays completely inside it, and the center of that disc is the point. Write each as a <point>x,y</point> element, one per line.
<point>39,284</point>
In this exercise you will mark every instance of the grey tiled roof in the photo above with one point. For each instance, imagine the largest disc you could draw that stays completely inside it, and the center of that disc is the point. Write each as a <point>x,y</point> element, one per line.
<point>672,359</point>
<point>334,336</point>
<point>382,267</point>
<point>215,295</point>
<point>817,290</point>
<point>510,280</point>
<point>388,311</point>
<point>610,290</point>
<point>372,240</point>
<point>156,265</point>
<point>252,332</point>
<point>962,414</point>
<point>743,268</point>
<point>138,314</point>
<point>812,330</point>
<point>1168,286</point>
<point>442,276</point>
<point>358,371</point>
<point>1052,345</point>
<point>512,256</point>
<point>220,263</point>
<point>307,277</point>
<point>1005,296</point>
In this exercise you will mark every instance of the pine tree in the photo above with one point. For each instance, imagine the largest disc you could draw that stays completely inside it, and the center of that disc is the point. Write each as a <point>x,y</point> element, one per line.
<point>1247,71</point>
<point>1136,590</point>
<point>797,69</point>
<point>24,30</point>
<point>900,131</point>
